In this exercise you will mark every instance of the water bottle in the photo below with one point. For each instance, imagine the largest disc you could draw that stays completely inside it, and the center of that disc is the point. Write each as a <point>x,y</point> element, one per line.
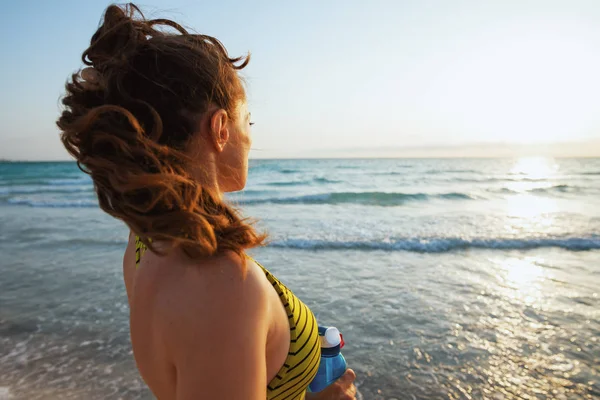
<point>333,363</point>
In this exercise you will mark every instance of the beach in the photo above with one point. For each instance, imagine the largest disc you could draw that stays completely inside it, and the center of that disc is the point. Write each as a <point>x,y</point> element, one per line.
<point>449,278</point>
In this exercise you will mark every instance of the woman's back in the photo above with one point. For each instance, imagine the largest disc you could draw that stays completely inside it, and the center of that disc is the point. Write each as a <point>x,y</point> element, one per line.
<point>292,347</point>
<point>224,303</point>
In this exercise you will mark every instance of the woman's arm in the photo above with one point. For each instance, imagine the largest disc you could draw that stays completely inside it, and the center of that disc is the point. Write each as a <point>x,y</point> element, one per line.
<point>214,323</point>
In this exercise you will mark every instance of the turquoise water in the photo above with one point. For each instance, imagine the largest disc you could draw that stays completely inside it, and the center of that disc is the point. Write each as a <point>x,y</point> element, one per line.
<point>448,278</point>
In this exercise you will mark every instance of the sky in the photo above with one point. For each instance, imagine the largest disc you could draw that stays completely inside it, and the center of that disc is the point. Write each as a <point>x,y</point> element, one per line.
<point>348,78</point>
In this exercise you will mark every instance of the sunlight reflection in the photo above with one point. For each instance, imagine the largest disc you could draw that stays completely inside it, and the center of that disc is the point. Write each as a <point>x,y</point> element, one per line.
<point>533,212</point>
<point>535,168</point>
<point>524,276</point>
<point>528,206</point>
<point>523,272</point>
<point>521,337</point>
<point>532,173</point>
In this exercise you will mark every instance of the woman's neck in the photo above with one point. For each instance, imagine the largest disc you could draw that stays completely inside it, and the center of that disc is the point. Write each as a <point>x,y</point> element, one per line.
<point>205,173</point>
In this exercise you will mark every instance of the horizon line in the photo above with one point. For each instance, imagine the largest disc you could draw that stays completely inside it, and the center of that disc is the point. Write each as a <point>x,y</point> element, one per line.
<point>300,158</point>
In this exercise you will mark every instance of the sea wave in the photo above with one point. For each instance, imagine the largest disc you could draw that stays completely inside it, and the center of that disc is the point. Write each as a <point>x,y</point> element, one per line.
<point>389,173</point>
<point>68,182</point>
<point>33,181</point>
<point>47,203</point>
<point>555,188</point>
<point>326,180</point>
<point>451,171</point>
<point>496,179</point>
<point>364,198</point>
<point>444,245</point>
<point>32,189</point>
<point>539,190</point>
<point>320,180</point>
<point>381,199</point>
<point>288,183</point>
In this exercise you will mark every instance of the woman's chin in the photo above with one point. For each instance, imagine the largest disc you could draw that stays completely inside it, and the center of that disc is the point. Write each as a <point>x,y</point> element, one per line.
<point>234,187</point>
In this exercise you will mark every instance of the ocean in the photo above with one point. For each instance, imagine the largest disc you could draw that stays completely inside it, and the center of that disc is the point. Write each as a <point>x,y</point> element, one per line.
<point>449,278</point>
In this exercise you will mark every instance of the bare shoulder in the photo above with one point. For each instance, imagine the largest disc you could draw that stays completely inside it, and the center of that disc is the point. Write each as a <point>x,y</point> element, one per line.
<point>209,317</point>
<point>226,292</point>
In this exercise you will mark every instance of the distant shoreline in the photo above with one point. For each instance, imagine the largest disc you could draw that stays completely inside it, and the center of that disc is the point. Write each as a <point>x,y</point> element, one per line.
<point>585,149</point>
<point>343,158</point>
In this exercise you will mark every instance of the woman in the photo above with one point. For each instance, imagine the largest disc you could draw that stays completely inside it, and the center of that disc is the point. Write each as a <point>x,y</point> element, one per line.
<point>160,122</point>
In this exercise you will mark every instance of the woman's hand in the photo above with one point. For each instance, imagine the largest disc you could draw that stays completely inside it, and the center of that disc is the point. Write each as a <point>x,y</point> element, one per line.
<point>342,389</point>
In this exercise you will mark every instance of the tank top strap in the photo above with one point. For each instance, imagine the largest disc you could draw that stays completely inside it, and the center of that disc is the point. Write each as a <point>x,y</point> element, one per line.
<point>140,249</point>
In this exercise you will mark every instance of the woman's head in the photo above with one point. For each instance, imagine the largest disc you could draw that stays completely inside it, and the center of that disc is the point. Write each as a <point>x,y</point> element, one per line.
<point>160,122</point>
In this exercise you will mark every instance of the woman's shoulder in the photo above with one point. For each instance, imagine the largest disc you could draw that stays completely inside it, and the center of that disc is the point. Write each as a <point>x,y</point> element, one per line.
<point>213,299</point>
<point>209,315</point>
<point>212,284</point>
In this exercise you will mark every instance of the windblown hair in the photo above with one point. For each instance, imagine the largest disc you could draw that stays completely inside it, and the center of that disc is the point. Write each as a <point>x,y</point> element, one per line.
<point>129,124</point>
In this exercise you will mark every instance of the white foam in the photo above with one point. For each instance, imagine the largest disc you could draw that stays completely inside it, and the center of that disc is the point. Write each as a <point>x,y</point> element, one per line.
<point>443,245</point>
<point>15,190</point>
<point>67,182</point>
<point>52,204</point>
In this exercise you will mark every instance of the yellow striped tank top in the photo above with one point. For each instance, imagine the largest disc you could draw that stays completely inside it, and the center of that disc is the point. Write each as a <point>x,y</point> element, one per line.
<point>303,358</point>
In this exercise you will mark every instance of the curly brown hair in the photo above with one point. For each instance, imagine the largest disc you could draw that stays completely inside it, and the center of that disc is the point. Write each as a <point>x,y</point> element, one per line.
<point>128,128</point>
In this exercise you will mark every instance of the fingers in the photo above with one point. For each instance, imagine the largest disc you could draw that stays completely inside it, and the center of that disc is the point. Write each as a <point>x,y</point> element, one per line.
<point>343,388</point>
<point>349,376</point>
<point>349,394</point>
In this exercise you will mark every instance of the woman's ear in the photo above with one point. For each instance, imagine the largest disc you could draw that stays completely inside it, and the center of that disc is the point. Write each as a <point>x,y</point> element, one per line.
<point>219,130</point>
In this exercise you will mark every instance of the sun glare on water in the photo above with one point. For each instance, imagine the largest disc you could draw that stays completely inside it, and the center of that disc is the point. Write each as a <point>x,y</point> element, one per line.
<point>530,175</point>
<point>537,168</point>
<point>531,215</point>
<point>524,275</point>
